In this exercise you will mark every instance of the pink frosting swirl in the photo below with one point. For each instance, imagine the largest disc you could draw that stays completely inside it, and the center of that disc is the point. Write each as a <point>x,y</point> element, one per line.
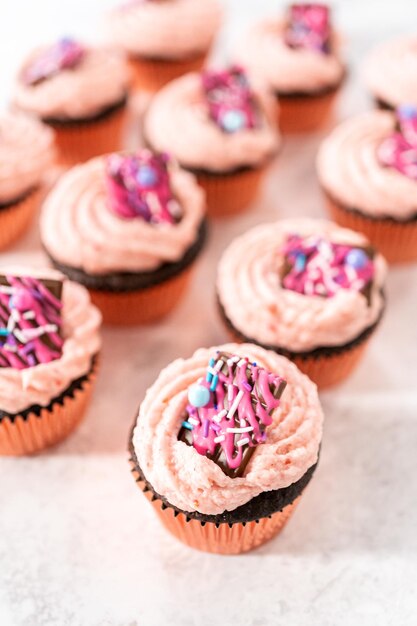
<point>193,482</point>
<point>165,30</point>
<point>178,121</point>
<point>20,389</point>
<point>265,54</point>
<point>78,227</point>
<point>250,291</point>
<point>97,82</point>
<point>350,170</point>
<point>390,71</point>
<point>26,152</point>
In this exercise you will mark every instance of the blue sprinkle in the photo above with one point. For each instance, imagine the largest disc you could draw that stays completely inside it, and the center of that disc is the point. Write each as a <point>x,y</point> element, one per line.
<point>407,111</point>
<point>4,332</point>
<point>300,262</point>
<point>254,364</point>
<point>214,382</point>
<point>146,176</point>
<point>187,425</point>
<point>233,120</point>
<point>356,258</point>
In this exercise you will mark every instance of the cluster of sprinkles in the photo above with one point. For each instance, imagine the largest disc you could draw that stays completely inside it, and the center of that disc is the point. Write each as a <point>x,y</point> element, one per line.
<point>139,187</point>
<point>399,150</point>
<point>30,321</point>
<point>228,411</point>
<point>309,27</point>
<point>231,102</point>
<point>314,266</point>
<point>65,54</point>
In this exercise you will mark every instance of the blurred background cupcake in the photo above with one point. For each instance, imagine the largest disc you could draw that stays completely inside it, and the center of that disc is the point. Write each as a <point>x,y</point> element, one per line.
<point>298,57</point>
<point>78,90</point>
<point>128,227</point>
<point>219,127</point>
<point>26,153</point>
<point>225,443</point>
<point>49,345</point>
<point>307,289</point>
<point>163,39</point>
<point>367,168</point>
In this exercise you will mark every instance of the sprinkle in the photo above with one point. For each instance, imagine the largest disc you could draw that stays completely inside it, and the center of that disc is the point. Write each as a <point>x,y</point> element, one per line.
<point>219,439</point>
<point>235,404</point>
<point>247,386</point>
<point>206,428</point>
<point>218,418</point>
<point>254,364</point>
<point>187,425</point>
<point>215,427</point>
<point>243,441</point>
<point>194,421</point>
<point>242,362</point>
<point>214,382</point>
<point>237,431</point>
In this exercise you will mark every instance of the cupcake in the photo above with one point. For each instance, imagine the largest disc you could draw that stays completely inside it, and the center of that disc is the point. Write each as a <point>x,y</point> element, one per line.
<point>367,168</point>
<point>298,57</point>
<point>163,40</point>
<point>225,444</point>
<point>221,129</point>
<point>80,92</point>
<point>307,289</point>
<point>49,345</point>
<point>127,226</point>
<point>26,152</point>
<point>390,72</point>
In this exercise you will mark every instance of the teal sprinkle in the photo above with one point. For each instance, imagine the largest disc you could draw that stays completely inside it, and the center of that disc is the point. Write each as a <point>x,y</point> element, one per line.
<point>214,382</point>
<point>4,332</point>
<point>187,425</point>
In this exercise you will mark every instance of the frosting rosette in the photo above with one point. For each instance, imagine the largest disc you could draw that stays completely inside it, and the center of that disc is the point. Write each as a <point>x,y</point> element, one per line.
<point>194,482</point>
<point>260,304</point>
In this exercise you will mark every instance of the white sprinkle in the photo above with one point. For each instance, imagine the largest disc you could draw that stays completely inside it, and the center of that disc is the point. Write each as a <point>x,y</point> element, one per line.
<point>247,429</point>
<point>219,439</point>
<point>218,366</point>
<point>235,404</point>
<point>242,362</point>
<point>6,289</point>
<point>218,418</point>
<point>211,371</point>
<point>15,315</point>
<point>29,315</point>
<point>242,442</point>
<point>193,421</point>
<point>32,333</point>
<point>351,273</point>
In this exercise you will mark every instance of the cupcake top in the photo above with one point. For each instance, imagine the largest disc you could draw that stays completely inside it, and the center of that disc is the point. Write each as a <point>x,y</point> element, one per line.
<point>217,429</point>
<point>49,333</point>
<point>70,81</point>
<point>301,284</point>
<point>214,121</point>
<point>295,54</point>
<point>391,71</point>
<point>129,212</point>
<point>164,29</point>
<point>369,163</point>
<point>26,151</point>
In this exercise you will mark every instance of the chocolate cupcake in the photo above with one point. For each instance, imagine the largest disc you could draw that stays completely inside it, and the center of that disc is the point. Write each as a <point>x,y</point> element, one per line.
<point>49,344</point>
<point>224,445</point>
<point>299,58</point>
<point>80,92</point>
<point>219,127</point>
<point>307,289</point>
<point>129,228</point>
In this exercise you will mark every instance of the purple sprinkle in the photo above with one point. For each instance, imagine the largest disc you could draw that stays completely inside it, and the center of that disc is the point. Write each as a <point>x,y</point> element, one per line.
<point>246,386</point>
<point>215,427</point>
<point>206,428</point>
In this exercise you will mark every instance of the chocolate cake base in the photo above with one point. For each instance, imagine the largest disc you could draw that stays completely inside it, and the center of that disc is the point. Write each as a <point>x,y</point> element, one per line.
<point>382,104</point>
<point>106,112</point>
<point>118,282</point>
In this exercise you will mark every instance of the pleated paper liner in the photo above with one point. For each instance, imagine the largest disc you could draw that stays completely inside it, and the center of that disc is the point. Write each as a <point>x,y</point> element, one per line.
<point>34,431</point>
<point>219,538</point>
<point>153,74</point>
<point>305,113</point>
<point>15,218</point>
<point>395,239</point>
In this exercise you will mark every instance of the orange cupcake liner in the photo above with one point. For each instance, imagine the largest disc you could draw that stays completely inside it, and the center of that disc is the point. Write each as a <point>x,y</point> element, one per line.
<point>304,114</point>
<point>141,306</point>
<point>16,218</point>
<point>79,142</point>
<point>396,240</point>
<point>32,433</point>
<point>220,538</point>
<point>153,74</point>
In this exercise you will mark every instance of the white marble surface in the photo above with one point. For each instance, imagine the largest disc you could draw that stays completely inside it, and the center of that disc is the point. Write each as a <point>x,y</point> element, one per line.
<point>79,545</point>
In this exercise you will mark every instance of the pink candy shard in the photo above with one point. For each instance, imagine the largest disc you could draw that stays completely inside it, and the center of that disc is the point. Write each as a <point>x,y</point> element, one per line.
<point>400,149</point>
<point>231,101</point>
<point>30,321</point>
<point>309,27</point>
<point>318,267</point>
<point>63,55</point>
<point>138,186</point>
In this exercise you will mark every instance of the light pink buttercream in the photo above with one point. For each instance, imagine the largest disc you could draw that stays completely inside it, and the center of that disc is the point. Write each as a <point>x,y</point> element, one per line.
<point>26,151</point>
<point>79,229</point>
<point>99,81</point>
<point>349,168</point>
<point>250,291</point>
<point>20,389</point>
<point>178,121</point>
<point>390,71</point>
<point>193,482</point>
<point>264,53</point>
<point>167,30</point>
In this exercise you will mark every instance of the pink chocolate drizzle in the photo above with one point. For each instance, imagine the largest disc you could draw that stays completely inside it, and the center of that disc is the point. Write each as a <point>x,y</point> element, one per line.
<point>138,186</point>
<point>238,409</point>
<point>309,27</point>
<point>400,149</point>
<point>63,55</point>
<point>30,322</point>
<point>318,267</point>
<point>231,102</point>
